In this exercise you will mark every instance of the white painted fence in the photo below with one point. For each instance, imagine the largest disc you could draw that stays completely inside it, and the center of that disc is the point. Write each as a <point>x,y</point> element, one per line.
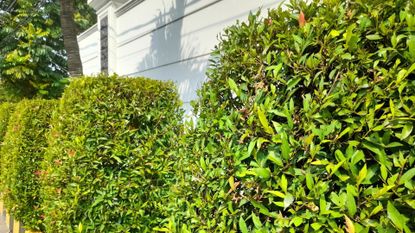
<point>163,39</point>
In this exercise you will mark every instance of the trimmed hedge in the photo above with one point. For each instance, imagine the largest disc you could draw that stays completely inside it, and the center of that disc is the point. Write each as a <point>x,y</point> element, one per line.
<point>6,109</point>
<point>306,123</point>
<point>22,152</point>
<point>109,161</point>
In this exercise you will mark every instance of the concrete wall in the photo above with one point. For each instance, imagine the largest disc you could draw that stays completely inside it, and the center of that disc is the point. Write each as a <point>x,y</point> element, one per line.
<point>172,39</point>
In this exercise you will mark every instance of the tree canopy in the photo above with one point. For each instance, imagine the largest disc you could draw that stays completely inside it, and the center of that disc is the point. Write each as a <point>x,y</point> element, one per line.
<point>33,61</point>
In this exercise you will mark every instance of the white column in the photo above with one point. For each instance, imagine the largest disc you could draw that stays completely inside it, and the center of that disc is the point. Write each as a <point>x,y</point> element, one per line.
<point>106,8</point>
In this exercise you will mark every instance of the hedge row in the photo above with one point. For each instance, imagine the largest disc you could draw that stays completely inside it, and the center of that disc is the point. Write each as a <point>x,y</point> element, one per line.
<point>6,109</point>
<point>109,163</point>
<point>305,125</point>
<point>101,163</point>
<point>22,153</point>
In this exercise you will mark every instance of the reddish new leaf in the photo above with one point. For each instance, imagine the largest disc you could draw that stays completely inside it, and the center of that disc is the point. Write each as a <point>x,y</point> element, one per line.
<point>301,19</point>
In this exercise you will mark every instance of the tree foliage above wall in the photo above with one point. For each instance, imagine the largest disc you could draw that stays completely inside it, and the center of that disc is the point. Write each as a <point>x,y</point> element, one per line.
<point>32,55</point>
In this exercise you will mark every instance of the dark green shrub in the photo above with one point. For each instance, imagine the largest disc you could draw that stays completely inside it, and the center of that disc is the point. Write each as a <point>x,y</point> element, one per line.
<point>109,161</point>
<point>22,152</point>
<point>309,128</point>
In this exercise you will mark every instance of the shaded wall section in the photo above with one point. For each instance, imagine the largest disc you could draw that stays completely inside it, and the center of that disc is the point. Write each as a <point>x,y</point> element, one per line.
<point>172,39</point>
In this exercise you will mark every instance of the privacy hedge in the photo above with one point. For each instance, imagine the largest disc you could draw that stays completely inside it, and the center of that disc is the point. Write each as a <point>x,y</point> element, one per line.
<point>22,152</point>
<point>6,110</point>
<point>306,123</point>
<point>109,161</point>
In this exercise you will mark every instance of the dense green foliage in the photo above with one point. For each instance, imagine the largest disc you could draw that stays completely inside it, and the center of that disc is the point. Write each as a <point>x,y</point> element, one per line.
<point>6,109</point>
<point>305,125</point>
<point>85,15</point>
<point>22,152</point>
<point>308,125</point>
<point>32,55</point>
<point>108,167</point>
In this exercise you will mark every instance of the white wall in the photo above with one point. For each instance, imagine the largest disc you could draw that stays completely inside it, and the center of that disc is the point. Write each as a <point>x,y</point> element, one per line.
<point>172,39</point>
<point>89,50</point>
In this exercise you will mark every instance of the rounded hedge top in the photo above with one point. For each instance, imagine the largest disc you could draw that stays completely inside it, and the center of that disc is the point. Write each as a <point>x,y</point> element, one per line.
<point>306,122</point>
<point>109,159</point>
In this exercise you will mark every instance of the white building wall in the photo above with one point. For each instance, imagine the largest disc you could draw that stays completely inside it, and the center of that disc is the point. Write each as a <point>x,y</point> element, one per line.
<point>172,39</point>
<point>89,50</point>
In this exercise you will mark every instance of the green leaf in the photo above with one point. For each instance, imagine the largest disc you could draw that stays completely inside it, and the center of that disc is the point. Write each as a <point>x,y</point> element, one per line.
<point>411,203</point>
<point>410,70</point>
<point>383,172</point>
<point>80,228</point>
<point>292,83</point>
<point>349,225</point>
<point>262,209</point>
<point>350,202</point>
<point>273,158</point>
<point>374,37</point>
<point>394,40</point>
<point>396,217</point>
<point>407,176</point>
<point>284,183</point>
<point>285,146</point>
<point>263,173</point>
<point>336,168</point>
<point>297,221</point>
<point>309,181</point>
<point>376,210</point>
<point>320,162</point>
<point>362,175</point>
<point>288,200</point>
<point>233,86</point>
<point>231,181</point>
<point>411,46</point>
<point>242,225</point>
<point>345,131</point>
<point>334,33</point>
<point>264,121</point>
<point>257,221</point>
<point>377,150</point>
<point>275,69</point>
<point>250,148</point>
<point>406,131</point>
<point>392,107</point>
<point>43,92</point>
<point>316,226</point>
<point>275,193</point>
<point>202,163</point>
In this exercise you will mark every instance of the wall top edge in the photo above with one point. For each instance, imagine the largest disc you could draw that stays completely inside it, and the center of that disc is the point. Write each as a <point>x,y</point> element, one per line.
<point>127,6</point>
<point>88,32</point>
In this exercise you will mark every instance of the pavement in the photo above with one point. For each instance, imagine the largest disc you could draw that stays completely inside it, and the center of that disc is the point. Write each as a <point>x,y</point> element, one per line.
<point>3,227</point>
